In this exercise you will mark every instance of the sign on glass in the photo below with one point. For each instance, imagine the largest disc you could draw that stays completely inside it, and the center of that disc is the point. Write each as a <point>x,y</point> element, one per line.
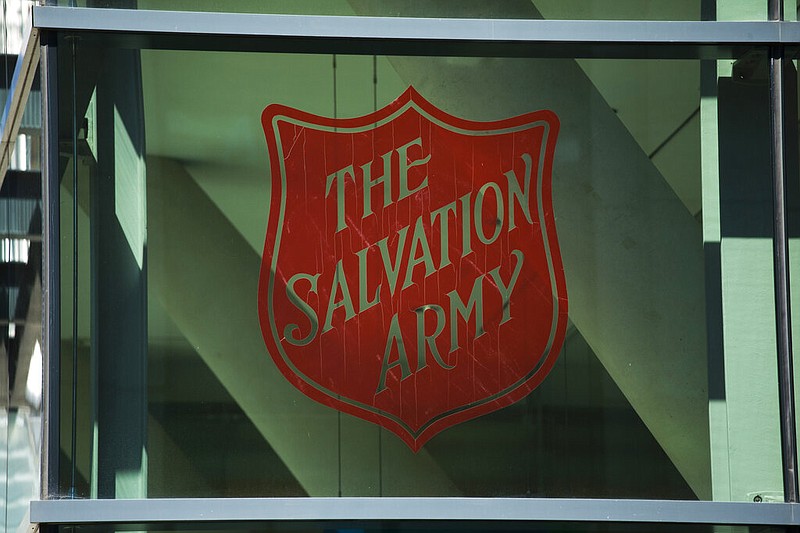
<point>411,274</point>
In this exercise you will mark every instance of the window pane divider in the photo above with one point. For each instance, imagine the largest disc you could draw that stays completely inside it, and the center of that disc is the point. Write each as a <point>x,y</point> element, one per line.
<point>418,29</point>
<point>422,509</point>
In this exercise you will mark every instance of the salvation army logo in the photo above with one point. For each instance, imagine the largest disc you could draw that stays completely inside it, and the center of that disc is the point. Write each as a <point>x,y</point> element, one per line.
<point>411,274</point>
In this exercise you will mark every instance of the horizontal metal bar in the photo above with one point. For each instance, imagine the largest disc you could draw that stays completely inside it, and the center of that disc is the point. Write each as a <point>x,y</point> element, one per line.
<point>424,509</point>
<point>17,97</point>
<point>417,29</point>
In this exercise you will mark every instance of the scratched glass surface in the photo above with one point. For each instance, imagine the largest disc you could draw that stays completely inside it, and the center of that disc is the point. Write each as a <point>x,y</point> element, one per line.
<point>317,275</point>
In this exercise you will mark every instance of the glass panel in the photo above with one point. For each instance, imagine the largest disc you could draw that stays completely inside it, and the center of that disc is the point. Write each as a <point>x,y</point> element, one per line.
<point>20,324</point>
<point>664,384</point>
<point>21,291</point>
<point>520,9</point>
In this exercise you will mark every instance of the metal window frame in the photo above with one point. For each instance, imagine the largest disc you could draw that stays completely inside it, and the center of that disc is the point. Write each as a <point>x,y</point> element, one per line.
<point>416,509</point>
<point>417,29</point>
<point>51,281</point>
<point>414,35</point>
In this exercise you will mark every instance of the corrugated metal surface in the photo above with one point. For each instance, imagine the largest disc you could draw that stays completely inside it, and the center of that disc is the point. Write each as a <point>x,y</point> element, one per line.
<point>16,215</point>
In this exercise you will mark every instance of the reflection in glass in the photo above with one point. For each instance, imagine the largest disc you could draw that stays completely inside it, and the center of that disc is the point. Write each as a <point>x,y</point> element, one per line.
<point>20,323</point>
<point>666,268</point>
<point>528,9</point>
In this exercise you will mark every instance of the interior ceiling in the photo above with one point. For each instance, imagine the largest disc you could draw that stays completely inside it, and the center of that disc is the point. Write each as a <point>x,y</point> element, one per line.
<point>203,108</point>
<point>549,9</point>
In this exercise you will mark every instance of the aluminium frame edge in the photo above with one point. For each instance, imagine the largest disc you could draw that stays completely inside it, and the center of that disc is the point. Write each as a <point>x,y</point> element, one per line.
<point>781,279</point>
<point>51,319</point>
<point>417,29</point>
<point>415,509</point>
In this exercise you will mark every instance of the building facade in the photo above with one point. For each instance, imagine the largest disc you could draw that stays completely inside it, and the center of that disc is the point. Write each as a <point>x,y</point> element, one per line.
<point>296,256</point>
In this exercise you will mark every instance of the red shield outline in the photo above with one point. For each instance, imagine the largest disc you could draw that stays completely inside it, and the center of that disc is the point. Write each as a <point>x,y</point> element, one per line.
<point>306,237</point>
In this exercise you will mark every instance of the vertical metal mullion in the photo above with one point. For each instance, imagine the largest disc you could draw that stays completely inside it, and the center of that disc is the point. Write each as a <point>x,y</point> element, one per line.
<point>51,290</point>
<point>774,9</point>
<point>781,258</point>
<point>781,267</point>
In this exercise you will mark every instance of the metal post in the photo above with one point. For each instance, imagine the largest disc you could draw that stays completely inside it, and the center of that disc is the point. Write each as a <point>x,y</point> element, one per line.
<point>51,290</point>
<point>775,9</point>
<point>782,302</point>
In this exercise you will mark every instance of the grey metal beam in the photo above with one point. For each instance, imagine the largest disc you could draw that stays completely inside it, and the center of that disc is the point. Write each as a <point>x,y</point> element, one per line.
<point>428,509</point>
<point>416,29</point>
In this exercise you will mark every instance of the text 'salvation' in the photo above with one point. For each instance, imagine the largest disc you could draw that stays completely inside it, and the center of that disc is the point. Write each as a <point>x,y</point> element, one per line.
<point>413,244</point>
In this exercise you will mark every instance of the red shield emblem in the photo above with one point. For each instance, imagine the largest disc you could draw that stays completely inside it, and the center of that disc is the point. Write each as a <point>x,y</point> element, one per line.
<point>411,274</point>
